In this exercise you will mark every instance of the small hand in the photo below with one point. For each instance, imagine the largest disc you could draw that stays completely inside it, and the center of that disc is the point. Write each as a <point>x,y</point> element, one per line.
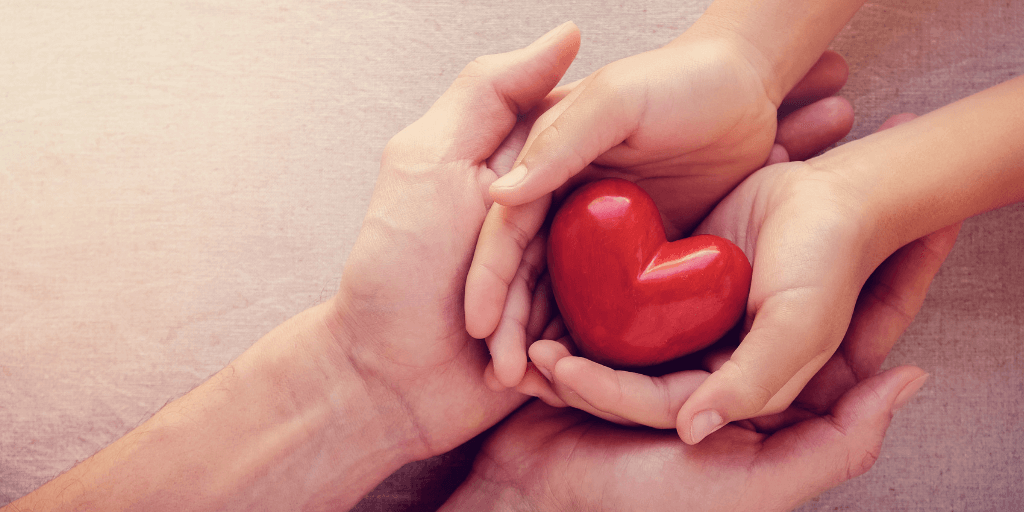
<point>808,244</point>
<point>558,459</point>
<point>686,122</point>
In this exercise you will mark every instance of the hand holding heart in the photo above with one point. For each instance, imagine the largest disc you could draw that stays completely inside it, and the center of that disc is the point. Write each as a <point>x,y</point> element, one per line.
<point>508,280</point>
<point>545,458</point>
<point>694,121</point>
<point>811,258</point>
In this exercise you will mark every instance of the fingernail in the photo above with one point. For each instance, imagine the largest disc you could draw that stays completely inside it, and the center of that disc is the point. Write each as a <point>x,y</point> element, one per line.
<point>704,423</point>
<point>513,178</point>
<point>551,33</point>
<point>908,392</point>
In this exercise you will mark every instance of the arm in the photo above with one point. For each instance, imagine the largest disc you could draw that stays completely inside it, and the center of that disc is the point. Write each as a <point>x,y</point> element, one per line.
<point>955,162</point>
<point>287,425</point>
<point>782,39</point>
<point>327,405</point>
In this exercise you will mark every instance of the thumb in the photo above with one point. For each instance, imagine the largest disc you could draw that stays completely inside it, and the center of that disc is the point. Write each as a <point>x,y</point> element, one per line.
<point>595,117</point>
<point>472,118</point>
<point>810,457</point>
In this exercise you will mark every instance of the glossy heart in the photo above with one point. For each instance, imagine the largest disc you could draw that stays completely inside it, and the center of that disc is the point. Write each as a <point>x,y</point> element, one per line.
<point>629,297</point>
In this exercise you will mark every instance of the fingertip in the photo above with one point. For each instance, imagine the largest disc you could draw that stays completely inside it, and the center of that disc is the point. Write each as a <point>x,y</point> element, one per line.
<point>910,390</point>
<point>826,77</point>
<point>777,155</point>
<point>490,380</point>
<point>509,366</point>
<point>503,188</point>
<point>810,129</point>
<point>484,302</point>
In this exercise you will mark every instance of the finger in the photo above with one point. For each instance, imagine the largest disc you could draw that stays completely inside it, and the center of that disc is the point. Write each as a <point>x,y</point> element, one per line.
<point>542,309</point>
<point>508,343</point>
<point>599,115</point>
<point>506,233</point>
<point>777,155</point>
<point>651,401</point>
<point>824,79</point>
<point>481,107</point>
<point>811,129</point>
<point>546,355</point>
<point>804,460</point>
<point>501,161</point>
<point>534,384</point>
<point>887,305</point>
<point>556,331</point>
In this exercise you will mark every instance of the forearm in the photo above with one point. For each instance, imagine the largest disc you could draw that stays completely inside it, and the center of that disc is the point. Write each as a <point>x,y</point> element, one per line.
<point>943,167</point>
<point>283,427</point>
<point>781,38</point>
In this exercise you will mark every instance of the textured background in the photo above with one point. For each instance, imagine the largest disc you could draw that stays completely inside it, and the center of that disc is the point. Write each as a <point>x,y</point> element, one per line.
<point>178,178</point>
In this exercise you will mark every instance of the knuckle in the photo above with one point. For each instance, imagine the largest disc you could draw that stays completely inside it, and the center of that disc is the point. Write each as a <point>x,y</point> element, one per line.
<point>751,394</point>
<point>398,149</point>
<point>519,235</point>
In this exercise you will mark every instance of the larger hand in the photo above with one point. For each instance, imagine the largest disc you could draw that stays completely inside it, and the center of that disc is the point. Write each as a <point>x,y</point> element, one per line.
<point>401,292</point>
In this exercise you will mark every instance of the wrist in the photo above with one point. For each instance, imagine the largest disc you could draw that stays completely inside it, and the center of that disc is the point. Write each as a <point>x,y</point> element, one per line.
<point>344,440</point>
<point>851,173</point>
<point>781,39</point>
<point>281,427</point>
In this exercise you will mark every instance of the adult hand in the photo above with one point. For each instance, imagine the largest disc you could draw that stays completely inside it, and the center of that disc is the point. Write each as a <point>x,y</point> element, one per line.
<point>686,122</point>
<point>559,459</point>
<point>401,293</point>
<point>809,239</point>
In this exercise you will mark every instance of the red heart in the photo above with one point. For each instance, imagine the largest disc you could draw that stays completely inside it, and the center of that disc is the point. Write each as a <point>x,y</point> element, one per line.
<point>628,296</point>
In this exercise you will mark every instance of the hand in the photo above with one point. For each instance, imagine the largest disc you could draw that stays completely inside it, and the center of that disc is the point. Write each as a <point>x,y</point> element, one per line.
<point>401,292</point>
<point>560,459</point>
<point>687,122</point>
<point>810,245</point>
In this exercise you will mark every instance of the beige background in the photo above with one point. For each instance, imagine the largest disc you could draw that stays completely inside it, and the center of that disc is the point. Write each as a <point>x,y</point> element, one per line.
<point>176,178</point>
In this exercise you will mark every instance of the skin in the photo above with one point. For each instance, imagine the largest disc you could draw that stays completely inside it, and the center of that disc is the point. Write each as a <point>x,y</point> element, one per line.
<point>766,198</point>
<point>545,458</point>
<point>816,231</point>
<point>687,122</point>
<point>319,411</point>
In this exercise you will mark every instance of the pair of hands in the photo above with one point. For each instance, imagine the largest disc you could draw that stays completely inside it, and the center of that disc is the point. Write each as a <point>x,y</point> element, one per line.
<point>402,292</point>
<point>688,123</point>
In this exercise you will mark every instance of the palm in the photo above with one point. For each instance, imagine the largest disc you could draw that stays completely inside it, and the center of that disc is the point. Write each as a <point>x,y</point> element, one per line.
<point>564,456</point>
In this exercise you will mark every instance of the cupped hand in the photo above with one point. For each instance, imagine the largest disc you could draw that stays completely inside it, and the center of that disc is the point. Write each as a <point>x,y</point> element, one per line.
<point>812,255</point>
<point>545,458</point>
<point>401,293</point>
<point>686,122</point>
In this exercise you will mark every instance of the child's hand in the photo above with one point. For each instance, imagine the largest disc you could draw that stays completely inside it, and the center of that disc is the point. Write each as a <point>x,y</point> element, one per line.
<point>686,122</point>
<point>811,256</point>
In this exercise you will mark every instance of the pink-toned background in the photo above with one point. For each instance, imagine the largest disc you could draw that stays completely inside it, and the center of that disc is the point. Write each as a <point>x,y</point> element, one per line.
<point>176,178</point>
